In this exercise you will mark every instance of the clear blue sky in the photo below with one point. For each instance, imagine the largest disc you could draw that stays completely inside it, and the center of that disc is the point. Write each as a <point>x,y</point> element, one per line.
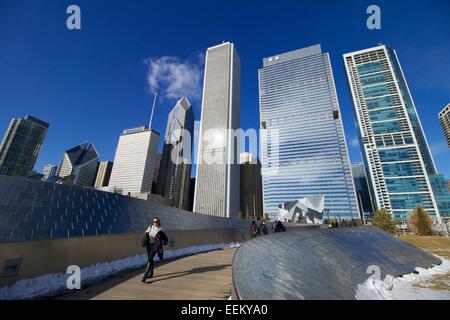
<point>90,84</point>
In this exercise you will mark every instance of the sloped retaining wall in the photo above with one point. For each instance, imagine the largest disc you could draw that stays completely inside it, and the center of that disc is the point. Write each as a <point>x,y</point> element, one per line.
<point>321,263</point>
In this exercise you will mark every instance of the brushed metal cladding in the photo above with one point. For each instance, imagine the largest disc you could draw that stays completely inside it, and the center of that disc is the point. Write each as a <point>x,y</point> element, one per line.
<point>36,210</point>
<point>319,264</point>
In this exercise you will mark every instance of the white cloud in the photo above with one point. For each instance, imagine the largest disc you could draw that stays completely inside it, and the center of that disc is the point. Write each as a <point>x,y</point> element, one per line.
<point>174,78</point>
<point>354,142</point>
<point>440,148</point>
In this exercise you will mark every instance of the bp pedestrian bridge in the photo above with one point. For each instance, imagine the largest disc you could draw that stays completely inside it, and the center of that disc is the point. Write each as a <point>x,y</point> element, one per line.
<point>46,227</point>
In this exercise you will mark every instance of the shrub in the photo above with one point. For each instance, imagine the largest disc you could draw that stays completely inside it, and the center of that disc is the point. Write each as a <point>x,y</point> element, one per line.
<point>421,222</point>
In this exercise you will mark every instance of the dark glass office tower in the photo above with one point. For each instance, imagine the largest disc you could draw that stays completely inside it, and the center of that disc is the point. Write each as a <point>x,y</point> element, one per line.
<point>21,145</point>
<point>175,167</point>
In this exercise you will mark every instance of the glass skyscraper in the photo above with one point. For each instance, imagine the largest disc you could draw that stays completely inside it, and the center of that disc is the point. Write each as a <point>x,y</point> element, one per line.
<point>303,149</point>
<point>395,150</point>
<point>21,145</point>
<point>175,165</point>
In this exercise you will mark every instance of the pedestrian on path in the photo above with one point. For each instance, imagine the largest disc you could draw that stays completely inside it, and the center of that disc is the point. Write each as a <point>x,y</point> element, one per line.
<point>154,240</point>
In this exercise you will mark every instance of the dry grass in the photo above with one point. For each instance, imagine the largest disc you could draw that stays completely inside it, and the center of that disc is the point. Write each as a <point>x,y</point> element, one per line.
<point>437,245</point>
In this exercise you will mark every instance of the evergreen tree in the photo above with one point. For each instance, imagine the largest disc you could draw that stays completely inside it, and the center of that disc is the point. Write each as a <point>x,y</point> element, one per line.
<point>383,220</point>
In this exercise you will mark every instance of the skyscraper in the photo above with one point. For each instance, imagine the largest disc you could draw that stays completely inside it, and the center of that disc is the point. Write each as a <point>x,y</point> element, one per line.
<point>299,105</point>
<point>134,162</point>
<point>103,174</point>
<point>362,189</point>
<point>21,145</point>
<point>396,153</point>
<point>251,186</point>
<point>444,120</point>
<point>50,170</point>
<point>80,165</point>
<point>217,181</point>
<point>175,166</point>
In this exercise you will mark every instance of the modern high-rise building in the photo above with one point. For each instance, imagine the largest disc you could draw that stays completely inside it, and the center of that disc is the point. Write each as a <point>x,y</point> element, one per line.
<point>251,186</point>
<point>21,145</point>
<point>444,119</point>
<point>175,166</point>
<point>217,180</point>
<point>362,189</point>
<point>50,170</point>
<point>156,172</point>
<point>303,149</point>
<point>80,165</point>
<point>134,162</point>
<point>103,174</point>
<point>395,149</point>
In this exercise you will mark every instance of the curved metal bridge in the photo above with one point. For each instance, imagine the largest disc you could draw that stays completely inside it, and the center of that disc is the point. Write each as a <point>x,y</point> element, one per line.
<point>321,263</point>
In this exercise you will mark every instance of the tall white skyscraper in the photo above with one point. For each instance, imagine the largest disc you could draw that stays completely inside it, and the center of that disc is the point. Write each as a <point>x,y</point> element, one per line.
<point>298,101</point>
<point>396,153</point>
<point>134,163</point>
<point>217,181</point>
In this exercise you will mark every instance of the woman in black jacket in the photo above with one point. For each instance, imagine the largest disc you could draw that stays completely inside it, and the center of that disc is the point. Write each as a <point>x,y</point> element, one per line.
<point>156,239</point>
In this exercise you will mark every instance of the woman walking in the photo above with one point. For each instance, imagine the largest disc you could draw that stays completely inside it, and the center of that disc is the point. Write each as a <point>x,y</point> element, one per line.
<point>156,239</point>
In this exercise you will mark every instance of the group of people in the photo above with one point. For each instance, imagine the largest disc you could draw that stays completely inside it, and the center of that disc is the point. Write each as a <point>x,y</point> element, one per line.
<point>262,229</point>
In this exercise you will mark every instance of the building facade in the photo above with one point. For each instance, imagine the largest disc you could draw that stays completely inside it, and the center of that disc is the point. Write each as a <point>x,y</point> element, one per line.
<point>217,180</point>
<point>103,174</point>
<point>21,145</point>
<point>175,166</point>
<point>393,142</point>
<point>251,186</point>
<point>50,170</point>
<point>362,189</point>
<point>444,120</point>
<point>303,149</point>
<point>79,165</point>
<point>134,162</point>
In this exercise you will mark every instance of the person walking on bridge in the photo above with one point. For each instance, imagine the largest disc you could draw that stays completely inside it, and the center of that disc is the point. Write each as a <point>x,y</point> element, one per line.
<point>263,228</point>
<point>154,240</point>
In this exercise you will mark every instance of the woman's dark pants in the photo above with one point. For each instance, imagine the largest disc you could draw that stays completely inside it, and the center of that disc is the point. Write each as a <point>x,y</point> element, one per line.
<point>151,254</point>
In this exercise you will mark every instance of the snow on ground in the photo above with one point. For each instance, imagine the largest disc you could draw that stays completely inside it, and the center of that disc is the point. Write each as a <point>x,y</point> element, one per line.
<point>55,283</point>
<point>408,287</point>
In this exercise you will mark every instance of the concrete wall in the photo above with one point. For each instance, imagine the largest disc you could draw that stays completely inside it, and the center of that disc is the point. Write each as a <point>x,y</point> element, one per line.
<point>52,256</point>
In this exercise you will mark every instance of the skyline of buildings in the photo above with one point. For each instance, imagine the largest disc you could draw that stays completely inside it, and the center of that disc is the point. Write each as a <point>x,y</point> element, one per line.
<point>21,145</point>
<point>298,98</point>
<point>394,146</point>
<point>299,105</point>
<point>50,170</point>
<point>217,179</point>
<point>444,120</point>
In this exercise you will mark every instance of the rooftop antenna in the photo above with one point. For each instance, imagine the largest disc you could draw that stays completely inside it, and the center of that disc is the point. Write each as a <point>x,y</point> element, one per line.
<point>153,109</point>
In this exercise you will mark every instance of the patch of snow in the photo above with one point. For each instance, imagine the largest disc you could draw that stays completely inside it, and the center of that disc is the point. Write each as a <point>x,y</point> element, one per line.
<point>402,288</point>
<point>53,284</point>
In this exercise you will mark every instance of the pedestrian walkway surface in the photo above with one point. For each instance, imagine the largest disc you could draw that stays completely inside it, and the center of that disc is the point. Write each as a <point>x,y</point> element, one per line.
<point>202,276</point>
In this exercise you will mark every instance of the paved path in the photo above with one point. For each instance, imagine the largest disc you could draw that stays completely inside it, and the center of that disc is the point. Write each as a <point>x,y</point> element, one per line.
<point>202,276</point>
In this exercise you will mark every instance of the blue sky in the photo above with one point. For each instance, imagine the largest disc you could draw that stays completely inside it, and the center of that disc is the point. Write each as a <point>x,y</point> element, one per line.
<point>92,83</point>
